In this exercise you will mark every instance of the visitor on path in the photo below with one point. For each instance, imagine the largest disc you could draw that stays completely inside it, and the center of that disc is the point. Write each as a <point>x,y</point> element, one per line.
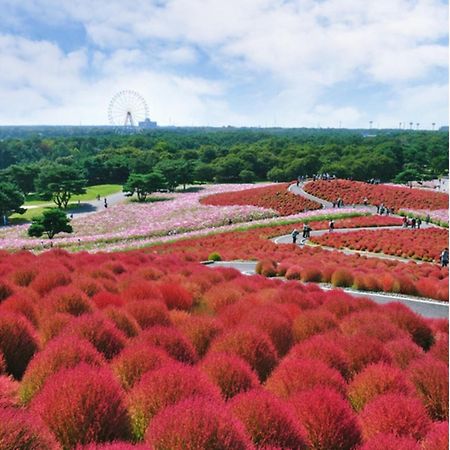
<point>306,231</point>
<point>419,222</point>
<point>365,201</point>
<point>331,225</point>
<point>413,222</point>
<point>295,233</point>
<point>106,203</point>
<point>444,257</point>
<point>427,219</point>
<point>405,222</point>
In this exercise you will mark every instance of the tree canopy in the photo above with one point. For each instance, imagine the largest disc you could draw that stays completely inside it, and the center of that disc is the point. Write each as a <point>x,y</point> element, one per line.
<point>11,200</point>
<point>51,222</point>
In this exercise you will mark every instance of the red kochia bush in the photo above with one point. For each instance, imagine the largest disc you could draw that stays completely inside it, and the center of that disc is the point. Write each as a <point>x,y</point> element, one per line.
<point>327,418</point>
<point>123,320</point>
<point>396,414</point>
<point>250,344</point>
<point>437,437</point>
<point>8,392</point>
<point>5,290</point>
<point>296,375</point>
<point>63,352</point>
<point>268,420</point>
<point>18,343</point>
<point>51,325</point>
<point>176,296</point>
<point>440,348</point>
<point>391,442</point>
<point>24,303</point>
<point>135,360</point>
<point>230,373</point>
<point>375,380</point>
<point>20,430</point>
<point>170,340</point>
<point>430,378</point>
<point>403,351</point>
<point>100,332</point>
<point>114,446</point>
<point>104,299</point>
<point>81,405</point>
<point>149,313</point>
<point>46,280</point>
<point>312,322</point>
<point>163,387</point>
<point>196,424</point>
<point>68,300</point>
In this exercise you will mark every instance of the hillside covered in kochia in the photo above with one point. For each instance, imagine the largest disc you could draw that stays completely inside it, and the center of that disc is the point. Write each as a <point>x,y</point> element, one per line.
<point>230,155</point>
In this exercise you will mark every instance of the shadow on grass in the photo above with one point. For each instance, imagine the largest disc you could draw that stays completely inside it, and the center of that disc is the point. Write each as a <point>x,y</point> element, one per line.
<point>150,200</point>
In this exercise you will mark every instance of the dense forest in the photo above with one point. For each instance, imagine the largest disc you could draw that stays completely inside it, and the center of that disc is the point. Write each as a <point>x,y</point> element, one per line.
<point>184,155</point>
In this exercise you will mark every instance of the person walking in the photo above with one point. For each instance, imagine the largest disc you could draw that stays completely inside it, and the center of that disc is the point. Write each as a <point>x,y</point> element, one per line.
<point>294,235</point>
<point>427,219</point>
<point>305,231</point>
<point>413,222</point>
<point>331,225</point>
<point>419,222</point>
<point>444,257</point>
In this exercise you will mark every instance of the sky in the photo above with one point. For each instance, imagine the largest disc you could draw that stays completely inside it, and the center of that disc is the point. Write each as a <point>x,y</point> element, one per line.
<point>285,63</point>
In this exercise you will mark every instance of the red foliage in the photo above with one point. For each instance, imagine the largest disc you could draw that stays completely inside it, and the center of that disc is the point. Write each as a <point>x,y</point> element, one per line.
<point>440,348</point>
<point>20,430</point>
<point>81,405</point>
<point>391,442</point>
<point>68,300</point>
<point>230,373</point>
<point>396,414</point>
<point>51,326</point>
<point>166,386</point>
<point>100,332</point>
<point>196,424</point>
<point>354,192</point>
<point>403,351</point>
<point>276,197</point>
<point>430,378</point>
<point>437,437</point>
<point>61,353</point>
<point>9,389</point>
<point>123,320</point>
<point>268,420</point>
<point>149,313</point>
<point>104,299</point>
<point>18,343</point>
<point>327,418</point>
<point>170,340</point>
<point>135,360</point>
<point>176,296</point>
<point>46,280</point>
<point>375,380</point>
<point>5,290</point>
<point>114,446</point>
<point>24,303</point>
<point>342,278</point>
<point>312,322</point>
<point>252,345</point>
<point>297,375</point>
<point>142,290</point>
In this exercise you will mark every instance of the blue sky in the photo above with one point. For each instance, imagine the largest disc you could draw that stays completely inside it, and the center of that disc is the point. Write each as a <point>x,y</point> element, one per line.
<point>239,62</point>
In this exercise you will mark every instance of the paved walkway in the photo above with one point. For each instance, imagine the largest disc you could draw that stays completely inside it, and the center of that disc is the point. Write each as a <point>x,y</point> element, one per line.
<point>422,306</point>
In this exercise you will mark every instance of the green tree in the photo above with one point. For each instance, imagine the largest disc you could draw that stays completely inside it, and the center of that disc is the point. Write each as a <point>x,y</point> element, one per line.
<point>204,172</point>
<point>52,221</point>
<point>247,176</point>
<point>23,176</point>
<point>60,182</point>
<point>143,185</point>
<point>11,200</point>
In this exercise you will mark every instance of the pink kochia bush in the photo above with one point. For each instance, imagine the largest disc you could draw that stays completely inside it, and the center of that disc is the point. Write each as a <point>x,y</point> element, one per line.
<point>268,420</point>
<point>195,424</point>
<point>81,405</point>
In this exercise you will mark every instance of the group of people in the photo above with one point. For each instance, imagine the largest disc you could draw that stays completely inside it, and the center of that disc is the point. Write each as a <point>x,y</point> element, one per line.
<point>412,223</point>
<point>306,233</point>
<point>381,209</point>
<point>339,203</point>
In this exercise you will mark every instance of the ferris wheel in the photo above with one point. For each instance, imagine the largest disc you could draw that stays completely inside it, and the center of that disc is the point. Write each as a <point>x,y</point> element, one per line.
<point>127,109</point>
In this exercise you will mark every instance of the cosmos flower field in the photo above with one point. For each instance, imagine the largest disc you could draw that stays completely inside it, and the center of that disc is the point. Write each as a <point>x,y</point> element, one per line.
<point>149,349</point>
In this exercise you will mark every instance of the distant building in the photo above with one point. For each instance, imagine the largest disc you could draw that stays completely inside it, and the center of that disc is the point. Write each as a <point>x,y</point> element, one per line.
<point>147,123</point>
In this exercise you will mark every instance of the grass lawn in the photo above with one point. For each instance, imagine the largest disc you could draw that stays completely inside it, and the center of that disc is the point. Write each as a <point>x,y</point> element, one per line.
<point>91,193</point>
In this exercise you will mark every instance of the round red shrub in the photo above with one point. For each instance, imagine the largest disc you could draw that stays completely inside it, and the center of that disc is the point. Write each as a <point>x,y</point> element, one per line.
<point>268,420</point>
<point>221,295</point>
<point>135,360</point>
<point>149,313</point>
<point>170,340</point>
<point>230,373</point>
<point>375,380</point>
<point>294,272</point>
<point>394,414</point>
<point>439,350</point>
<point>296,375</point>
<point>18,343</point>
<point>63,352</point>
<point>200,330</point>
<point>391,442</point>
<point>163,387</point>
<point>51,325</point>
<point>68,300</point>
<point>403,351</point>
<point>312,322</point>
<point>412,323</point>
<point>100,332</point>
<point>142,290</point>
<point>81,405</point>
<point>325,349</point>
<point>437,437</point>
<point>5,290</point>
<point>176,296</point>
<point>46,280</point>
<point>123,320</point>
<point>430,378</point>
<point>23,302</point>
<point>104,299</point>
<point>114,446</point>
<point>342,278</point>
<point>196,424</point>
<point>251,345</point>
<point>23,277</point>
<point>327,419</point>
<point>20,430</point>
